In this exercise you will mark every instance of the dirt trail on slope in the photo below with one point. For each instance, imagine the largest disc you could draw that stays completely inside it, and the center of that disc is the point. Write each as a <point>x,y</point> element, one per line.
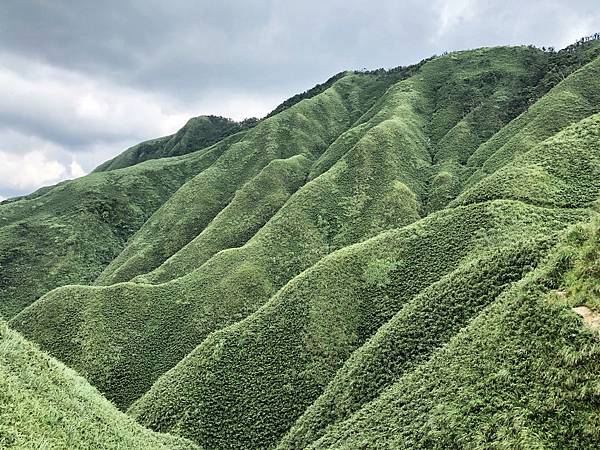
<point>591,318</point>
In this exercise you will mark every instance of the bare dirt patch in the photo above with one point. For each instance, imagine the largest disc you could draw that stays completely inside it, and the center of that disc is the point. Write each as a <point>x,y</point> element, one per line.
<point>591,318</point>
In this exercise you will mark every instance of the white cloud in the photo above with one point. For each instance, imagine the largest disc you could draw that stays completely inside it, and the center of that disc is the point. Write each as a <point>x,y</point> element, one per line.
<point>29,170</point>
<point>574,26</point>
<point>71,107</point>
<point>453,13</point>
<point>29,162</point>
<point>75,170</point>
<point>57,123</point>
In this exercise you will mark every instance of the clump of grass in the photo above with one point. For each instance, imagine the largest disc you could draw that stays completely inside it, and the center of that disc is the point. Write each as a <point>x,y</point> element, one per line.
<point>47,405</point>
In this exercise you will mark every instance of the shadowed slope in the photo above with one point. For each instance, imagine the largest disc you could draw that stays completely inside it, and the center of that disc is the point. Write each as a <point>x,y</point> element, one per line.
<point>198,133</point>
<point>68,233</point>
<point>306,128</point>
<point>575,98</point>
<point>123,337</point>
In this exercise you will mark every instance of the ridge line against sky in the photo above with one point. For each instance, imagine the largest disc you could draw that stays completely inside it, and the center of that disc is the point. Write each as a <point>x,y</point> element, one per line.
<point>82,81</point>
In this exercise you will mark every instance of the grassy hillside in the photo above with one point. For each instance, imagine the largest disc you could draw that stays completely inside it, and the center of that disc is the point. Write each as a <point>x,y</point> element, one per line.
<point>251,208</point>
<point>573,99</point>
<point>124,336</point>
<point>198,133</point>
<point>275,363</point>
<point>70,232</point>
<point>44,404</point>
<point>523,374</point>
<point>545,174</point>
<point>390,259</point>
<point>306,128</point>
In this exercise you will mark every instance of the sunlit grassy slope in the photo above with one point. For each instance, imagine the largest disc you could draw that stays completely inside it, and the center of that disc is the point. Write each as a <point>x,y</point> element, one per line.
<point>124,336</point>
<point>44,404</point>
<point>294,283</point>
<point>318,319</point>
<point>306,128</point>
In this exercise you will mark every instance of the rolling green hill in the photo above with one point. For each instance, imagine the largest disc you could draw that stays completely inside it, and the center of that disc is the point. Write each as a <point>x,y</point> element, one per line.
<point>70,232</point>
<point>390,259</point>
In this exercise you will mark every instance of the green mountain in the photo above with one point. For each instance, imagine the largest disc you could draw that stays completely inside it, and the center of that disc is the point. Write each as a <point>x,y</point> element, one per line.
<point>197,133</point>
<point>403,258</point>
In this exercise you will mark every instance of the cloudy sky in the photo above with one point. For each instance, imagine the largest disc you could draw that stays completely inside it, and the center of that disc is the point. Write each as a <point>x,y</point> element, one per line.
<point>81,80</point>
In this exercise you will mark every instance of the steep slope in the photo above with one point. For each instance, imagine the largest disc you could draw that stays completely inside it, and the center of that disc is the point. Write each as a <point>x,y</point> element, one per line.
<point>198,133</point>
<point>391,124</point>
<point>68,233</point>
<point>129,334</point>
<point>43,404</point>
<point>389,259</point>
<point>293,378</point>
<point>575,98</point>
<point>244,276</point>
<point>479,144</point>
<point>523,374</point>
<point>545,174</point>
<point>275,363</point>
<point>124,336</point>
<point>402,342</point>
<point>306,128</point>
<point>251,208</point>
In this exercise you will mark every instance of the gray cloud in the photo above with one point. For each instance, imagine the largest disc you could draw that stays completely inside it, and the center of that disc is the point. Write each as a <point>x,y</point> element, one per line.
<point>81,79</point>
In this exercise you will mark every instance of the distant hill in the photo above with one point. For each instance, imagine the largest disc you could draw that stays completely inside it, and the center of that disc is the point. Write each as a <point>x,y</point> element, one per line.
<point>198,133</point>
<point>402,258</point>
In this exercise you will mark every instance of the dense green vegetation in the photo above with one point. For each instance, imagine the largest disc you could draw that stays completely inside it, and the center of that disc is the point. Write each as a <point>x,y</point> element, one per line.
<point>523,374</point>
<point>307,128</point>
<point>44,404</point>
<point>292,346</point>
<point>389,259</point>
<point>124,336</point>
<point>196,134</point>
<point>69,233</point>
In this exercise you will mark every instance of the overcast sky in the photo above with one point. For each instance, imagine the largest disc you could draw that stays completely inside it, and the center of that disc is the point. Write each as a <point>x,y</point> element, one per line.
<point>82,80</point>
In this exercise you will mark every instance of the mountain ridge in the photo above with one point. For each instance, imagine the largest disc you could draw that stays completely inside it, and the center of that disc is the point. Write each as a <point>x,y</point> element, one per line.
<point>292,282</point>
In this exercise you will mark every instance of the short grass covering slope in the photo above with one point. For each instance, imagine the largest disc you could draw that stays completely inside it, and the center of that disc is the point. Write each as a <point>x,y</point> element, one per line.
<point>198,133</point>
<point>306,128</point>
<point>573,99</point>
<point>523,374</point>
<point>402,259</point>
<point>70,232</point>
<point>275,363</point>
<point>44,404</point>
<point>123,337</point>
<point>252,207</point>
<point>562,171</point>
